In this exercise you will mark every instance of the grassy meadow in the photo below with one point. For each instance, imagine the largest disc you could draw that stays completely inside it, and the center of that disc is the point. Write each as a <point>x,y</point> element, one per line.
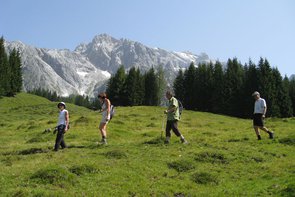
<point>223,157</point>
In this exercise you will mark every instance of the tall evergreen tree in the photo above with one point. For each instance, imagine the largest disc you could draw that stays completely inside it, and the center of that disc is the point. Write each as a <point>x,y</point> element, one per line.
<point>4,70</point>
<point>129,93</point>
<point>286,102</point>
<point>250,85</point>
<point>189,86</point>
<point>178,86</point>
<point>292,93</point>
<point>218,97</point>
<point>266,87</point>
<point>161,83</point>
<point>151,88</point>
<point>234,76</point>
<point>115,86</point>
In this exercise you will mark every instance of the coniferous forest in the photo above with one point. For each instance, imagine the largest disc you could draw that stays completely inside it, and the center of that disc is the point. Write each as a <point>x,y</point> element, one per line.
<point>227,89</point>
<point>10,71</point>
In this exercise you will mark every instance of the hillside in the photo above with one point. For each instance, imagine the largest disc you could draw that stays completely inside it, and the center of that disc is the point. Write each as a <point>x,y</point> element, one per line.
<point>223,157</point>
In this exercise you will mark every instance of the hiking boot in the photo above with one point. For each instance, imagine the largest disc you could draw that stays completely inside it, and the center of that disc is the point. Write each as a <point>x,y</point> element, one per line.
<point>183,141</point>
<point>258,137</point>
<point>271,135</point>
<point>103,141</point>
<point>166,142</point>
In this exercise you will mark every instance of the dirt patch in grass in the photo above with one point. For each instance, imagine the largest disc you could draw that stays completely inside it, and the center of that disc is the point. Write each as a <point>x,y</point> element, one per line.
<point>204,178</point>
<point>211,157</point>
<point>115,154</point>
<point>181,166</point>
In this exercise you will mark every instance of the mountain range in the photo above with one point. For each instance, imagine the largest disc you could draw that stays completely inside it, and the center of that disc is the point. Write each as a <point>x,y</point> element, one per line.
<point>86,70</point>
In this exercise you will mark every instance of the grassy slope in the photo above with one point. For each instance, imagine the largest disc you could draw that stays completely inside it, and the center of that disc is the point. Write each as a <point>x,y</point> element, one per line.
<point>223,157</point>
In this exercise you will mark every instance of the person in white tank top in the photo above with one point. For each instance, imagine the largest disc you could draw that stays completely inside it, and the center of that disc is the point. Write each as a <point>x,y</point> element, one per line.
<point>105,111</point>
<point>62,126</point>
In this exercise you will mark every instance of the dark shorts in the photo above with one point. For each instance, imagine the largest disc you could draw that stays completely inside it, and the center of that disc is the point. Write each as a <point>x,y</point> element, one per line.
<point>258,120</point>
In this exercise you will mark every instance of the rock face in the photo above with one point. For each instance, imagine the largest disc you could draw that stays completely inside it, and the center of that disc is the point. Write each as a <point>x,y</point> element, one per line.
<point>87,69</point>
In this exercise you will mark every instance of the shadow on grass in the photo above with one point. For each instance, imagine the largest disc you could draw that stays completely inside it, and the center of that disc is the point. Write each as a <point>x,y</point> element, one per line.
<point>32,151</point>
<point>155,141</point>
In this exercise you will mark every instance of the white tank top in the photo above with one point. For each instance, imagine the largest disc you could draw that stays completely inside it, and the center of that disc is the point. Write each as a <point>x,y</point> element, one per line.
<point>62,117</point>
<point>104,107</point>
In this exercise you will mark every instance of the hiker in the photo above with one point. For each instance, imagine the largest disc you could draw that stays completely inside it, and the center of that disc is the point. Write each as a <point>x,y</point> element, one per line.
<point>259,115</point>
<point>172,118</point>
<point>62,126</point>
<point>106,115</point>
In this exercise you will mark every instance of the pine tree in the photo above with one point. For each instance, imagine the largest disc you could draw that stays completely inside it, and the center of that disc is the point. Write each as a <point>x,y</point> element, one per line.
<point>189,87</point>
<point>129,89</point>
<point>250,85</point>
<point>234,76</point>
<point>292,93</point>
<point>218,97</point>
<point>178,86</point>
<point>265,83</point>
<point>285,99</point>
<point>161,84</point>
<point>4,70</point>
<point>115,86</point>
<point>151,89</point>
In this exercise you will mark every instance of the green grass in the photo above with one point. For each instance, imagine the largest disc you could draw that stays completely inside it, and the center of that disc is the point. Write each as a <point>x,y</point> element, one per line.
<point>223,157</point>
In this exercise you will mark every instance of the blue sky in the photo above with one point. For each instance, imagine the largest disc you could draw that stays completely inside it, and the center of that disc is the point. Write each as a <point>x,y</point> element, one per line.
<point>221,28</point>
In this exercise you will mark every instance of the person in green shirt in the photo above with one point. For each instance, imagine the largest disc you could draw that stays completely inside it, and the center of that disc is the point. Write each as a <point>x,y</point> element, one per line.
<point>172,118</point>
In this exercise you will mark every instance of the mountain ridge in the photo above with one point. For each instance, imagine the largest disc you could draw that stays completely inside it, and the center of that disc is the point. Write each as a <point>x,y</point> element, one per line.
<point>87,68</point>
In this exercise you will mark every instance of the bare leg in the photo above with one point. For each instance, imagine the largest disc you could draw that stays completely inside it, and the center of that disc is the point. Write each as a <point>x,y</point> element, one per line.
<point>103,131</point>
<point>256,129</point>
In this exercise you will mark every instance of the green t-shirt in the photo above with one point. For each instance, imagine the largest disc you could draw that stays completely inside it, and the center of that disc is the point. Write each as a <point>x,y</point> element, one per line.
<point>173,115</point>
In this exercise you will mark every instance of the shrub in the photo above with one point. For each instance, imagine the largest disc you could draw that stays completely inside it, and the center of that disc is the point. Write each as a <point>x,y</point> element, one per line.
<point>84,169</point>
<point>55,176</point>
<point>115,154</point>
<point>204,178</point>
<point>211,157</point>
<point>181,166</point>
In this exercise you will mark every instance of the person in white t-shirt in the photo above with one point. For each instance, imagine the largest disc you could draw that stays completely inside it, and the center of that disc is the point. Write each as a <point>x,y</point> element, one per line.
<point>106,116</point>
<point>62,126</point>
<point>259,115</point>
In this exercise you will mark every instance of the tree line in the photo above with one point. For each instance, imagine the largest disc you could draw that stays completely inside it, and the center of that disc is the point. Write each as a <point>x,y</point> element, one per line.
<point>227,89</point>
<point>80,100</point>
<point>135,88</point>
<point>10,71</point>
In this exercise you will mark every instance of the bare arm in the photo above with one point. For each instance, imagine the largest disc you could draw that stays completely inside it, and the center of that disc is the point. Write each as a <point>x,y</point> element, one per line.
<point>67,121</point>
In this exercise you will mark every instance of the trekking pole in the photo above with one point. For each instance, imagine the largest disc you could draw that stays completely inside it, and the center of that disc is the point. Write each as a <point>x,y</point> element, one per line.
<point>162,126</point>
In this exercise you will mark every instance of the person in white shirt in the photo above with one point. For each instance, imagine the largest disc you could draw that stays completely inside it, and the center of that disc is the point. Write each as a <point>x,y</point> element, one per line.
<point>62,126</point>
<point>259,115</point>
<point>106,116</point>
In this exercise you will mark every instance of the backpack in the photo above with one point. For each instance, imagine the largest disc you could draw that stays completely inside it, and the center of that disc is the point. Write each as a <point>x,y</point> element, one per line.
<point>112,111</point>
<point>180,106</point>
